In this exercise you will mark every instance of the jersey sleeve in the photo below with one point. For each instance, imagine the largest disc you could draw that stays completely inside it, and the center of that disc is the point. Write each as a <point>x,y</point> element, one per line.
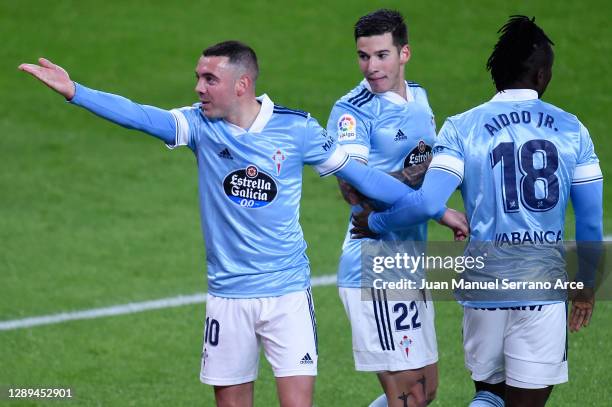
<point>187,125</point>
<point>321,151</point>
<point>448,151</point>
<point>587,166</point>
<point>348,126</point>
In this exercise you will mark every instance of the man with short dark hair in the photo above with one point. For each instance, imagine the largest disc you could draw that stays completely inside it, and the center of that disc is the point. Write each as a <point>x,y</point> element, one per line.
<point>386,123</point>
<point>250,154</point>
<point>518,161</point>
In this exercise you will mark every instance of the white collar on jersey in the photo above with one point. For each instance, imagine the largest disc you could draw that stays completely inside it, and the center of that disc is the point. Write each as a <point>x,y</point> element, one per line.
<point>515,95</point>
<point>263,117</point>
<point>391,96</point>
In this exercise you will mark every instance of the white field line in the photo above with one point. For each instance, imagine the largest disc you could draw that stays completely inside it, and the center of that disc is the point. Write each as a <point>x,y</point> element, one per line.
<point>134,307</point>
<point>129,308</point>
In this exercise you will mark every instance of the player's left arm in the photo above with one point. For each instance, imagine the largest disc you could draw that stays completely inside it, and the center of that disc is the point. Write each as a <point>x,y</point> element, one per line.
<point>586,194</point>
<point>429,202</point>
<point>329,158</point>
<point>588,210</point>
<point>408,207</point>
<point>443,177</point>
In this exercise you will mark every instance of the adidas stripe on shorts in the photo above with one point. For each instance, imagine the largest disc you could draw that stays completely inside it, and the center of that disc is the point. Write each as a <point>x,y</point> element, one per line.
<point>390,335</point>
<point>236,328</point>
<point>524,346</point>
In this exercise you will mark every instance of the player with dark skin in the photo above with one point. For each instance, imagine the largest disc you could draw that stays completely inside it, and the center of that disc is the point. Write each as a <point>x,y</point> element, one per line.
<point>535,72</point>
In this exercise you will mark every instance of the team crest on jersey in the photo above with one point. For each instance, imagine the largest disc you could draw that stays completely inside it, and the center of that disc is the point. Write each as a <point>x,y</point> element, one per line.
<point>347,128</point>
<point>249,187</point>
<point>406,343</point>
<point>278,157</point>
<point>419,154</point>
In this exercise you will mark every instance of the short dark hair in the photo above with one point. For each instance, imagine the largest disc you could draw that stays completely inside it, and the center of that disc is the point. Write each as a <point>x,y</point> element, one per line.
<point>238,53</point>
<point>381,22</point>
<point>522,48</point>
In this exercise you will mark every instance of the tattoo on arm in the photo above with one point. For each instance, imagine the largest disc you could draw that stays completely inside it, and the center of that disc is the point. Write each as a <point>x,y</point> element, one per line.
<point>412,176</point>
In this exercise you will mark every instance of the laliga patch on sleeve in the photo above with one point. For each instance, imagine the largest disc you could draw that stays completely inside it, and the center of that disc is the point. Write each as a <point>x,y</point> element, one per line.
<point>347,128</point>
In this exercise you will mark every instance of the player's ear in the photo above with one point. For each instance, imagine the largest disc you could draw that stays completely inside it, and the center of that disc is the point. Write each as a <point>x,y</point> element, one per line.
<point>405,54</point>
<point>542,79</point>
<point>243,84</point>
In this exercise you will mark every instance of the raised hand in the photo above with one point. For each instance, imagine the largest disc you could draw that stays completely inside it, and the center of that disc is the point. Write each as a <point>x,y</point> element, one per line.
<point>54,76</point>
<point>457,222</point>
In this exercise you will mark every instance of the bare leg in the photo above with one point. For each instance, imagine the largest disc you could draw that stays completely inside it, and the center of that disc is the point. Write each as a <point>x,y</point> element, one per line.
<point>237,395</point>
<point>295,391</point>
<point>431,381</point>
<point>498,389</point>
<point>516,397</point>
<point>410,387</point>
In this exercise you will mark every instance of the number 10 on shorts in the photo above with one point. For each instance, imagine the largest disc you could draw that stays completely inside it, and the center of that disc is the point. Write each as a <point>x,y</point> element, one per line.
<point>211,332</point>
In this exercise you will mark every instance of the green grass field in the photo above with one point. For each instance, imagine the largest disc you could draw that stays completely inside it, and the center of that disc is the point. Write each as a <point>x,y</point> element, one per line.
<point>94,215</point>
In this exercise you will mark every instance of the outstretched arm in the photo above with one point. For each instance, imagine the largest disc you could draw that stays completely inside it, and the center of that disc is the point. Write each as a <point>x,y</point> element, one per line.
<point>157,122</point>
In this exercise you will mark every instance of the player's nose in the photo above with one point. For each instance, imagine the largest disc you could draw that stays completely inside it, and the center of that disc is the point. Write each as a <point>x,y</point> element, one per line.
<point>372,66</point>
<point>200,87</point>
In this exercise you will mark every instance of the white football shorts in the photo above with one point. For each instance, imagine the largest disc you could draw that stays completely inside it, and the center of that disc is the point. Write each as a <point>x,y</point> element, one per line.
<point>235,328</point>
<point>390,335</point>
<point>524,346</point>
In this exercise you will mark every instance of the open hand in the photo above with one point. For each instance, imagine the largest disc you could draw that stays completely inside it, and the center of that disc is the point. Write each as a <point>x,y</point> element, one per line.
<point>54,76</point>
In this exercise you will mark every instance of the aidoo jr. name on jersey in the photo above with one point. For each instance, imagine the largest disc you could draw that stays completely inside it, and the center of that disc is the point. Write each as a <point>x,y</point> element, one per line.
<point>537,119</point>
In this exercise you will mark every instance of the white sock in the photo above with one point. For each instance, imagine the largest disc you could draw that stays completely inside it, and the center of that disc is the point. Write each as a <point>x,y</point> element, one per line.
<point>381,401</point>
<point>486,399</point>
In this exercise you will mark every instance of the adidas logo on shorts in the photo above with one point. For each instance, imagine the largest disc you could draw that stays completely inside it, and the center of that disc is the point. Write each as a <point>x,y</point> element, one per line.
<point>306,360</point>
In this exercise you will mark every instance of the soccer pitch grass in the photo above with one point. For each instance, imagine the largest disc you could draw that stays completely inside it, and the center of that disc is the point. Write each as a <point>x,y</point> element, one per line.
<point>93,215</point>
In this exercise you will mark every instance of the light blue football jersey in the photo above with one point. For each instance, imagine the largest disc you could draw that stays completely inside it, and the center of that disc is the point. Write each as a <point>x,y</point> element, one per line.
<point>517,158</point>
<point>389,133</point>
<point>250,186</point>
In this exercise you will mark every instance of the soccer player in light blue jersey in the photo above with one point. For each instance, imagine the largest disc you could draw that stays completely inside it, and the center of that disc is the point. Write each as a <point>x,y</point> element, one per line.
<point>250,154</point>
<point>518,161</point>
<point>387,123</point>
